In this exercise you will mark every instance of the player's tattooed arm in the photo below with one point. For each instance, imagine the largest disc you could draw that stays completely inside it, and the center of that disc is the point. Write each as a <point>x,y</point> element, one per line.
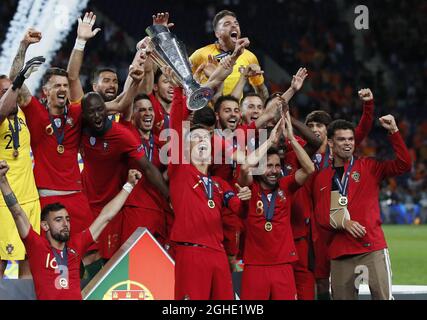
<point>262,91</point>
<point>21,220</point>
<point>31,36</point>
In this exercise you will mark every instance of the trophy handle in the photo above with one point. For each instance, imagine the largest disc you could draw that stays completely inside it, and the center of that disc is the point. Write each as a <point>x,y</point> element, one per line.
<point>199,98</point>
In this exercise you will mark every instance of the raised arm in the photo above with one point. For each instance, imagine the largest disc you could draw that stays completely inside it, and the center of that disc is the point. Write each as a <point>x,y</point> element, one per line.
<point>21,220</point>
<point>84,33</point>
<point>123,102</point>
<point>403,162</point>
<point>154,176</point>
<point>113,207</point>
<point>245,177</point>
<point>31,36</point>
<point>225,67</point>
<point>313,142</point>
<point>307,166</point>
<point>366,121</point>
<point>296,84</point>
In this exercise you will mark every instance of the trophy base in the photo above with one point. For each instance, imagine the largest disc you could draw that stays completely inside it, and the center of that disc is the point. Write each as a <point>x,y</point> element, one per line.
<point>199,98</point>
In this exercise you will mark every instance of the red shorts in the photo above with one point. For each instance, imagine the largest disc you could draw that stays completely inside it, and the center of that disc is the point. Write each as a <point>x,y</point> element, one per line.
<point>109,239</point>
<point>202,274</point>
<point>268,283</point>
<point>152,219</point>
<point>304,278</point>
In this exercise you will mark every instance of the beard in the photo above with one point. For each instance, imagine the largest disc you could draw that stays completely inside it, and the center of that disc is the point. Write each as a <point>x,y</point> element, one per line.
<point>61,237</point>
<point>107,98</point>
<point>268,183</point>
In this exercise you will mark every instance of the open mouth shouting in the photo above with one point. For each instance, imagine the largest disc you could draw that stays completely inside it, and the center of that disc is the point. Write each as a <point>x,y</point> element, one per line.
<point>110,93</point>
<point>234,36</point>
<point>147,122</point>
<point>61,97</point>
<point>232,123</point>
<point>98,123</point>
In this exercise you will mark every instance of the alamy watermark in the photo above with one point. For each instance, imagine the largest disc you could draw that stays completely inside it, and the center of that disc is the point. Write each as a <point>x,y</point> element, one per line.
<point>361,22</point>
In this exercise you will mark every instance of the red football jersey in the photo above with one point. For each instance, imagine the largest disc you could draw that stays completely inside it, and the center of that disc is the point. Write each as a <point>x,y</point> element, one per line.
<point>105,162</point>
<point>363,193</point>
<point>161,117</point>
<point>277,246</point>
<point>53,170</point>
<point>225,170</point>
<point>195,221</point>
<point>44,266</point>
<point>145,195</point>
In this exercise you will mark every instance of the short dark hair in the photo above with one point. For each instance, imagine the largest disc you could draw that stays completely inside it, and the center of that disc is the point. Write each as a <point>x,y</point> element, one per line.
<point>157,75</point>
<point>141,96</point>
<point>221,99</point>
<point>3,76</point>
<point>198,126</point>
<point>319,116</point>
<point>97,73</point>
<point>52,207</point>
<point>339,124</point>
<point>54,72</point>
<point>220,15</point>
<point>205,116</point>
<point>88,97</point>
<point>272,150</point>
<point>251,94</point>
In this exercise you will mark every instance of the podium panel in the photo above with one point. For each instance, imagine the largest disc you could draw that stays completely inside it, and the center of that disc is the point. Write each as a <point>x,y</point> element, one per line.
<point>140,270</point>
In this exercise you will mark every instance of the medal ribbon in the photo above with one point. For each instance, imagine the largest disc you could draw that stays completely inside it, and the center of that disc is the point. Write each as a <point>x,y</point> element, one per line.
<point>149,152</point>
<point>343,187</point>
<point>208,187</point>
<point>15,132</point>
<point>269,209</point>
<point>325,159</point>
<point>61,261</point>
<point>222,55</point>
<point>59,136</point>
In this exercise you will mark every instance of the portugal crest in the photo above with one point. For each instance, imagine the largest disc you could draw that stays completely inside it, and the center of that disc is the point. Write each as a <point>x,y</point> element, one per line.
<point>355,176</point>
<point>10,248</point>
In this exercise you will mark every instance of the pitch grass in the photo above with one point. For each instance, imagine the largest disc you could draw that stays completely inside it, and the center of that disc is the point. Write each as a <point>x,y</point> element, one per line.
<point>408,253</point>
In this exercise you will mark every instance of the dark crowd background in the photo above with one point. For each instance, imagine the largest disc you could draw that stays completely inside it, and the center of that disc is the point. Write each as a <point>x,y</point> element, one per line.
<point>390,58</point>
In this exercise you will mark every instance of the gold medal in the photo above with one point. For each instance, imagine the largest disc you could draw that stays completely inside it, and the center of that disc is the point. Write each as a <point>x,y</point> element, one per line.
<point>259,207</point>
<point>268,226</point>
<point>211,204</point>
<point>49,129</point>
<point>60,148</point>
<point>15,153</point>
<point>343,201</point>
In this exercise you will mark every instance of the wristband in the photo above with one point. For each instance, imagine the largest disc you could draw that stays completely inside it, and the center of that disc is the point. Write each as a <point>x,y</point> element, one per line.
<point>128,187</point>
<point>80,45</point>
<point>256,80</point>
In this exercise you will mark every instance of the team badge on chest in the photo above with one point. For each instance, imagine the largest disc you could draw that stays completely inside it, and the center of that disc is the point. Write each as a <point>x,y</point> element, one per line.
<point>92,141</point>
<point>70,122</point>
<point>355,176</point>
<point>58,122</point>
<point>10,248</point>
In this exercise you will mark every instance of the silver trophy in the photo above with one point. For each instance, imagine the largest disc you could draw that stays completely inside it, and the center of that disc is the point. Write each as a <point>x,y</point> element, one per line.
<point>169,51</point>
